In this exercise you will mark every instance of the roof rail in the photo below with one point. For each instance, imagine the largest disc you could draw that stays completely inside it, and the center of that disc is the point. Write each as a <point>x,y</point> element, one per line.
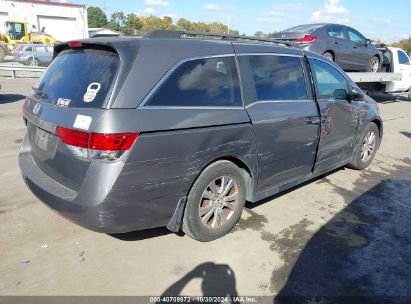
<point>175,34</point>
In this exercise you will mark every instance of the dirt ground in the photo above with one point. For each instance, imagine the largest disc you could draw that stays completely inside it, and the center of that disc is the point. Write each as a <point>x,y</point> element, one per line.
<point>347,233</point>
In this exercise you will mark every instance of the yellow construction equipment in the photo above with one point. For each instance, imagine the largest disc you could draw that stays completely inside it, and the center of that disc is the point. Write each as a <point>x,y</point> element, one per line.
<point>17,32</point>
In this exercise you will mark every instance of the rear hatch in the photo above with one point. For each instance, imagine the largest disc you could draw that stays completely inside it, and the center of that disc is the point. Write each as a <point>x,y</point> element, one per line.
<point>75,87</point>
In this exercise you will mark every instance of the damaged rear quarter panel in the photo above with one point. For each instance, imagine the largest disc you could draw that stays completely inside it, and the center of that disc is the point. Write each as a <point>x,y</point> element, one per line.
<point>164,164</point>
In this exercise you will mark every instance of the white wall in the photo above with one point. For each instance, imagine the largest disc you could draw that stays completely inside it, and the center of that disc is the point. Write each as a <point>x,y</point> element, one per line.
<point>62,21</point>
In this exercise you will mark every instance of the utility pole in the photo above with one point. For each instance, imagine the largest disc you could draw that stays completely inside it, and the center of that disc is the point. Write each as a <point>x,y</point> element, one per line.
<point>228,24</point>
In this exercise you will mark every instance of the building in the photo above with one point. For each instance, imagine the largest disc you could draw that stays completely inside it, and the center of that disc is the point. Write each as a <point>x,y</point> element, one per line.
<point>99,32</point>
<point>63,21</point>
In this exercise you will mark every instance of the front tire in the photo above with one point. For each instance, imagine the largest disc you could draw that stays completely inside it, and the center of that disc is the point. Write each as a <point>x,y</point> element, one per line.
<point>366,148</point>
<point>374,65</point>
<point>215,202</point>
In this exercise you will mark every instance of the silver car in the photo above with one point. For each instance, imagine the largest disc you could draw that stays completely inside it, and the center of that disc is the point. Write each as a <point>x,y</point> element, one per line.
<point>34,55</point>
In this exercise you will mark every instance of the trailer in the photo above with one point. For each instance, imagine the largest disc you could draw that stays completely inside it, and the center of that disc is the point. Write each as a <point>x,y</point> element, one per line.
<point>393,78</point>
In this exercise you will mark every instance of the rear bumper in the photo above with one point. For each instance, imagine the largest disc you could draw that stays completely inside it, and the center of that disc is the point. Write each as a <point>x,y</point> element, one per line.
<point>117,211</point>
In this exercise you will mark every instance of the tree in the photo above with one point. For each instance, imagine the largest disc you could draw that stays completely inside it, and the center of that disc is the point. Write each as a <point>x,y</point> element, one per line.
<point>117,21</point>
<point>133,23</point>
<point>261,35</point>
<point>405,44</point>
<point>96,17</point>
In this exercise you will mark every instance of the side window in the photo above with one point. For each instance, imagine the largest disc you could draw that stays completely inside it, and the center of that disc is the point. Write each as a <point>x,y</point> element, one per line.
<point>336,32</point>
<point>355,36</point>
<point>201,82</point>
<point>29,49</point>
<point>40,49</point>
<point>403,58</point>
<point>278,77</point>
<point>331,83</point>
<point>49,49</point>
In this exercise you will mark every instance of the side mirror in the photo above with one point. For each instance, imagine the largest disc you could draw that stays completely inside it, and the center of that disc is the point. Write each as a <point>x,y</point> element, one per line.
<point>340,94</point>
<point>368,41</point>
<point>356,94</point>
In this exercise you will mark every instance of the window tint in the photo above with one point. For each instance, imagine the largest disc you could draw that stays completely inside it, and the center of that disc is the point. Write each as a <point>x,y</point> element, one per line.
<point>308,28</point>
<point>29,49</point>
<point>403,58</point>
<point>278,77</point>
<point>81,77</point>
<point>201,82</point>
<point>355,36</point>
<point>336,32</point>
<point>331,83</point>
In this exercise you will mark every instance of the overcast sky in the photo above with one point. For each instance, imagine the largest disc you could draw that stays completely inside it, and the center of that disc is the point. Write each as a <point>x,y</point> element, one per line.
<point>388,21</point>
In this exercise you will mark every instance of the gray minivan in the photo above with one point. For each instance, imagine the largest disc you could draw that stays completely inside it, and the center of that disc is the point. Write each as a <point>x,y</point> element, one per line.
<point>179,129</point>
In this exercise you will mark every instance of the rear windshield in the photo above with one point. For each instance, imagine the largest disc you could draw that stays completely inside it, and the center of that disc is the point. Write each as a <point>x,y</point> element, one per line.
<point>308,29</point>
<point>78,78</point>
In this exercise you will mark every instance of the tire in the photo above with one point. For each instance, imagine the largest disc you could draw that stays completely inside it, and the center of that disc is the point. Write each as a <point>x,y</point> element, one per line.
<point>374,65</point>
<point>2,54</point>
<point>409,94</point>
<point>206,226</point>
<point>366,147</point>
<point>329,56</point>
<point>32,62</point>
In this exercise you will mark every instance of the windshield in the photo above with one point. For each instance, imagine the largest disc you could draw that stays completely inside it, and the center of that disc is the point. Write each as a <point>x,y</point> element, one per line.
<point>78,78</point>
<point>308,28</point>
<point>15,30</point>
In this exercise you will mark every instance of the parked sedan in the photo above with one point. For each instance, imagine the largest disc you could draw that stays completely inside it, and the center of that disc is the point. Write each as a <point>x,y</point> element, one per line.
<point>339,43</point>
<point>34,54</point>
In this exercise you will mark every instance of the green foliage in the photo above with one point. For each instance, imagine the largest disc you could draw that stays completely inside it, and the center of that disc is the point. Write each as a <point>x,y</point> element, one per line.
<point>96,17</point>
<point>263,35</point>
<point>117,21</point>
<point>132,24</point>
<point>405,44</point>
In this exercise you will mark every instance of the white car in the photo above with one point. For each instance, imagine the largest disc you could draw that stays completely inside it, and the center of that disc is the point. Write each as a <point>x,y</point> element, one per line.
<point>394,76</point>
<point>396,60</point>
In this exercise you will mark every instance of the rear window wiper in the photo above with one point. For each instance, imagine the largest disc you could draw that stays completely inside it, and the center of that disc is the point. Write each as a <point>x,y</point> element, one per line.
<point>40,93</point>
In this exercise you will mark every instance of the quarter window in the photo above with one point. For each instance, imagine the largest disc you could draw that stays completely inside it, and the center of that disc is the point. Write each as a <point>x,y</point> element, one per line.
<point>201,82</point>
<point>403,58</point>
<point>278,77</point>
<point>331,83</point>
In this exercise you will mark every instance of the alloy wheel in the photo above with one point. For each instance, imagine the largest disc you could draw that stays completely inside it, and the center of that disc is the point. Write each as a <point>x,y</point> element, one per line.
<point>218,202</point>
<point>368,146</point>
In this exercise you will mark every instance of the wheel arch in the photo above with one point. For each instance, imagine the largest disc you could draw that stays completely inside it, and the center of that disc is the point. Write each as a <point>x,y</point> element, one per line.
<point>247,173</point>
<point>331,52</point>
<point>378,122</point>
<point>177,218</point>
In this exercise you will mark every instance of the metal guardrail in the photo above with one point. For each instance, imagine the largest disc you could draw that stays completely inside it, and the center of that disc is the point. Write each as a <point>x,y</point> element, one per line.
<point>15,68</point>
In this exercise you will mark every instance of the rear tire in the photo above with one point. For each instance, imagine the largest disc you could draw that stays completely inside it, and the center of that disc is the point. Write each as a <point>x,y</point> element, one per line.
<point>329,56</point>
<point>374,65</point>
<point>32,62</point>
<point>215,202</point>
<point>366,148</point>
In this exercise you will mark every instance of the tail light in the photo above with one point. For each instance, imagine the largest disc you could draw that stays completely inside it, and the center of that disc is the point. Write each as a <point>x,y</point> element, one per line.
<point>74,44</point>
<point>96,146</point>
<point>306,39</point>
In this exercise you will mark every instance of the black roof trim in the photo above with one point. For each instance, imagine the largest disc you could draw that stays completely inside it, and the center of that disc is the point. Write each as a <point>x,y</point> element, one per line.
<point>174,34</point>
